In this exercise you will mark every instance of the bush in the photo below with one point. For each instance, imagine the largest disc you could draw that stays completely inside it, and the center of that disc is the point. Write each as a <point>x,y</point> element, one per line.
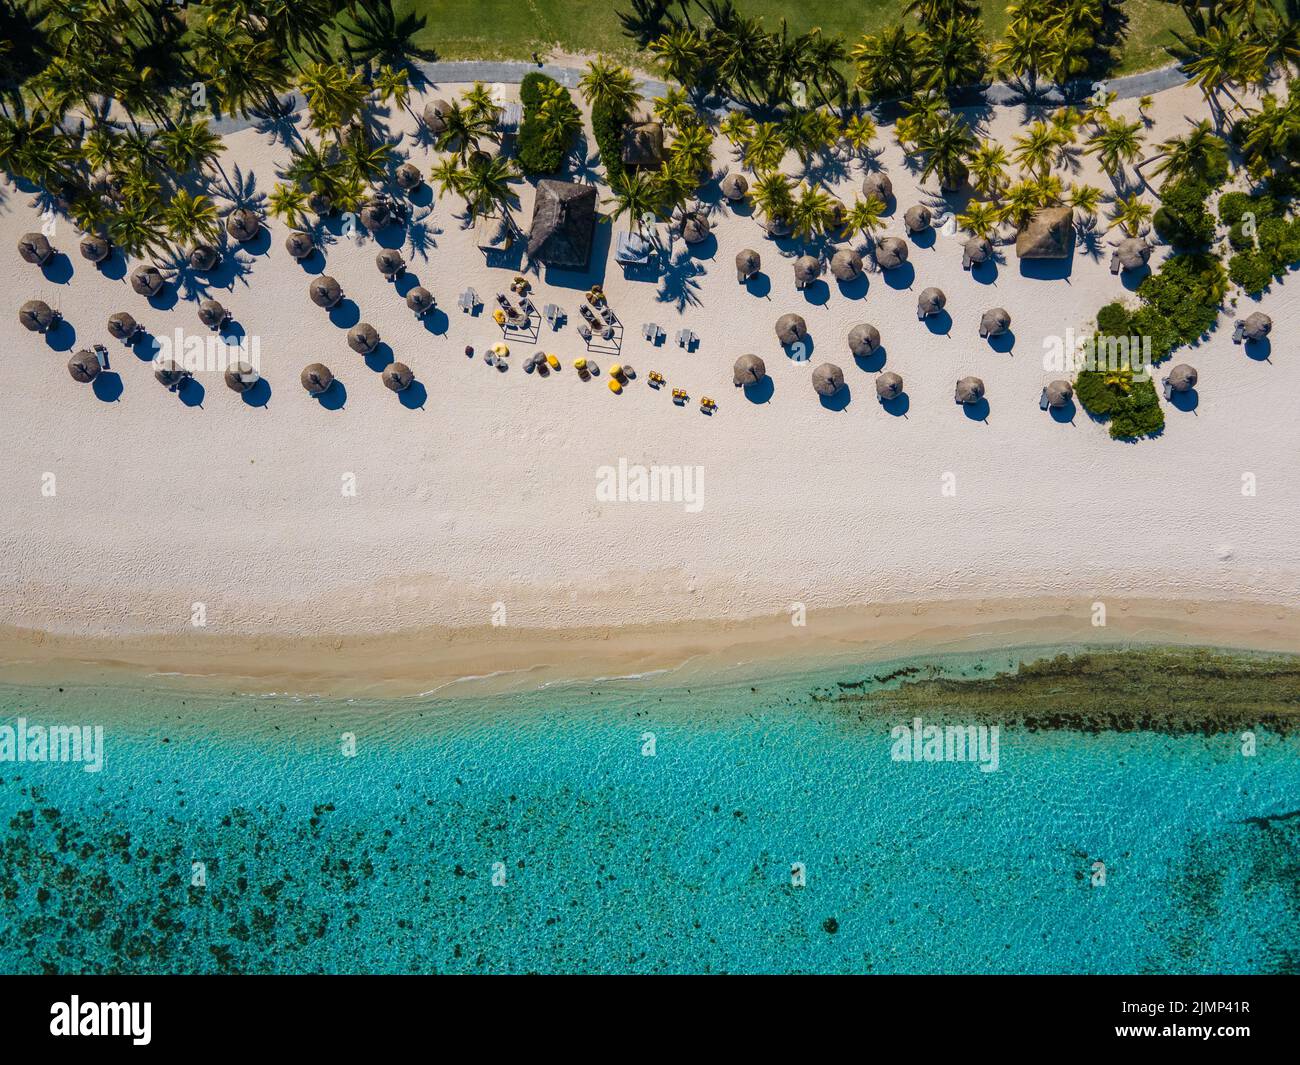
<point>1114,320</point>
<point>1182,219</point>
<point>1186,291</point>
<point>536,156</point>
<point>1251,270</point>
<point>1133,412</point>
<point>607,127</point>
<point>530,89</point>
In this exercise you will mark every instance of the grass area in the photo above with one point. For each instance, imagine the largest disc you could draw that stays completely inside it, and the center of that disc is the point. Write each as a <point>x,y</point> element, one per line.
<point>513,29</point>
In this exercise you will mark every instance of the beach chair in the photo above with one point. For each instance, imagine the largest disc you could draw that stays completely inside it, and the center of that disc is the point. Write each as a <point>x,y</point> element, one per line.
<point>615,386</point>
<point>680,397</point>
<point>1042,400</point>
<point>965,260</point>
<point>584,331</point>
<point>707,406</point>
<point>101,356</point>
<point>1114,262</point>
<point>1167,389</point>
<point>1239,332</point>
<point>466,301</point>
<point>681,338</point>
<point>655,378</point>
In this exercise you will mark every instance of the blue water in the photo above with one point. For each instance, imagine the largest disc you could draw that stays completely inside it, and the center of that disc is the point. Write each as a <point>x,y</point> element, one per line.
<point>616,861</point>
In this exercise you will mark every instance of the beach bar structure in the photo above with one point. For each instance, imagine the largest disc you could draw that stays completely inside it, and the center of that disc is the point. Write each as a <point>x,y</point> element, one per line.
<point>1049,234</point>
<point>563,225</point>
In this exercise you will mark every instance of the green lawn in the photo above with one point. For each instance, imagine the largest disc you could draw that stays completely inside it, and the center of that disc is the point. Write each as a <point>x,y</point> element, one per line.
<point>513,29</point>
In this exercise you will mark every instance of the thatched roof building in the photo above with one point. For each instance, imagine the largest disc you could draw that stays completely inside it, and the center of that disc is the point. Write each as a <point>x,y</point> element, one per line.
<point>1049,234</point>
<point>564,223</point>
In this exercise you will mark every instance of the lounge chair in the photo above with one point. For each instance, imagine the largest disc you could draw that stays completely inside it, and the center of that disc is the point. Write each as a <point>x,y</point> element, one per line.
<point>1239,332</point>
<point>1042,400</point>
<point>1114,263</point>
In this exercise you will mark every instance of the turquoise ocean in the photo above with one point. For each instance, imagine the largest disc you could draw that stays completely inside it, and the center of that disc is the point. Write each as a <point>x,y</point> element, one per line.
<point>632,826</point>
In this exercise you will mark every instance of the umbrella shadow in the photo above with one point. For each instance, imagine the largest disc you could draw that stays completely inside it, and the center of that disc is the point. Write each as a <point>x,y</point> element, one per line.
<point>381,358</point>
<point>62,336</point>
<point>977,411</point>
<point>191,392</point>
<point>855,289</point>
<point>759,286</point>
<point>1187,402</point>
<point>1130,279</point>
<point>345,314</point>
<point>145,346</point>
<point>1259,350</point>
<point>1065,413</point>
<point>57,269</point>
<point>924,239</point>
<point>436,322</point>
<point>114,265</point>
<point>842,398</point>
<point>817,294</point>
<point>165,299</point>
<point>901,277</point>
<point>107,386</point>
<point>898,406</point>
<point>939,323</point>
<point>1048,269</point>
<point>873,363</point>
<point>334,397</point>
<point>413,396</point>
<point>985,273</point>
<point>259,395</point>
<point>1003,342</point>
<point>759,391</point>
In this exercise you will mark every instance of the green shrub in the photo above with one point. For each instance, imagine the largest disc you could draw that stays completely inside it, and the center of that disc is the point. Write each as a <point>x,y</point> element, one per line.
<point>1187,291</point>
<point>607,127</point>
<point>1182,219</point>
<point>538,153</point>
<point>1133,412</point>
<point>530,89</point>
<point>1149,322</point>
<point>1113,320</point>
<point>1251,270</point>
<point>1233,205</point>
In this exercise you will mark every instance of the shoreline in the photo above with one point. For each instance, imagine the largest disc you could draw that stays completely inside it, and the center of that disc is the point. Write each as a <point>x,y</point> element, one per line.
<point>486,661</point>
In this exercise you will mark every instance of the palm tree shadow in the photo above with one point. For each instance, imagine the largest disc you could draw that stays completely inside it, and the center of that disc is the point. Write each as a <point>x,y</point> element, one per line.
<point>242,192</point>
<point>421,235</point>
<point>678,284</point>
<point>282,123</point>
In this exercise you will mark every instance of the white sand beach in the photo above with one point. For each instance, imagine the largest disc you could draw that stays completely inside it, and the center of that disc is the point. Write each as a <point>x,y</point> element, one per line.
<point>484,498</point>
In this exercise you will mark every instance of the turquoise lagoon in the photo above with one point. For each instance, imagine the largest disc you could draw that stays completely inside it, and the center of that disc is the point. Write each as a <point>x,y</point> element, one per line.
<point>536,833</point>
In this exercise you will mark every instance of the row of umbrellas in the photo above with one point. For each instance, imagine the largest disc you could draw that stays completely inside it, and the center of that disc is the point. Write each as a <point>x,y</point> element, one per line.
<point>864,339</point>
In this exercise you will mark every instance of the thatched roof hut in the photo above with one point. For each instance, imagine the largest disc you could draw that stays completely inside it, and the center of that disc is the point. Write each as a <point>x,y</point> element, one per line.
<point>240,377</point>
<point>889,386</point>
<point>1132,253</point>
<point>969,390</point>
<point>891,252</point>
<point>363,338</point>
<point>203,257</point>
<point>375,215</point>
<point>643,144</point>
<point>930,301</point>
<point>1049,234</point>
<point>212,314</point>
<point>807,269</point>
<point>434,111</point>
<point>390,262</point>
<point>243,225</point>
<point>122,326</point>
<point>734,186</point>
<point>827,379</point>
<point>917,218</point>
<point>170,373</point>
<point>317,378</point>
<point>408,177</point>
<point>397,376</point>
<point>749,369</point>
<point>877,184</point>
<point>695,227</point>
<point>299,244</point>
<point>1256,326</point>
<point>420,300</point>
<point>1059,393</point>
<point>994,322</point>
<point>37,316</point>
<point>319,203</point>
<point>748,264</point>
<point>324,291</point>
<point>146,280</point>
<point>564,222</point>
<point>863,339</point>
<point>974,251</point>
<point>94,248</point>
<point>34,248</point>
<point>790,328</point>
<point>84,366</point>
<point>846,265</point>
<point>1182,378</point>
<point>777,227</point>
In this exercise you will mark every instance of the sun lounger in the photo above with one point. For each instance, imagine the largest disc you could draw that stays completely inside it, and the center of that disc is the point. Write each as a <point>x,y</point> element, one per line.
<point>1042,400</point>
<point>965,261</point>
<point>1114,263</point>
<point>467,301</point>
<point>1239,332</point>
<point>584,331</point>
<point>1168,389</point>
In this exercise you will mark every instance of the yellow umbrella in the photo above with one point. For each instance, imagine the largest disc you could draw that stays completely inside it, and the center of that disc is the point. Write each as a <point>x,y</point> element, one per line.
<point>553,362</point>
<point>500,316</point>
<point>614,386</point>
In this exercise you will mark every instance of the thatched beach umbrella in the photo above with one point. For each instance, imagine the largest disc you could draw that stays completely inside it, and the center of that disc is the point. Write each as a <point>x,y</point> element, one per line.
<point>1182,378</point>
<point>123,327</point>
<point>212,314</point>
<point>807,269</point>
<point>877,184</point>
<point>420,300</point>
<point>94,248</point>
<point>1059,393</point>
<point>827,379</point>
<point>408,177</point>
<point>146,280</point>
<point>240,377</point>
<point>203,257</point>
<point>790,329</point>
<point>976,250</point>
<point>34,248</point>
<point>846,265</point>
<point>695,227</point>
<point>390,262</point>
<point>375,215</point>
<point>994,322</point>
<point>891,252</point>
<point>170,373</point>
<point>1132,253</point>
<point>324,291</point>
<point>863,339</point>
<point>397,376</point>
<point>1049,234</point>
<point>777,226</point>
<point>363,338</point>
<point>917,218</point>
<point>747,264</point>
<point>299,244</point>
<point>317,378</point>
<point>84,366</point>
<point>434,111</point>
<point>749,370</point>
<point>889,386</point>
<point>930,301</point>
<point>1257,326</point>
<point>734,186</point>
<point>970,390</point>
<point>37,316</point>
<point>319,203</point>
<point>243,225</point>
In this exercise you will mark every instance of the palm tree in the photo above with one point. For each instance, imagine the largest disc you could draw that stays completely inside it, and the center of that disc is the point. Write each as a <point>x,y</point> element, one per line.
<point>486,185</point>
<point>693,148</point>
<point>680,54</point>
<point>191,219</point>
<point>607,86</point>
<point>772,196</point>
<point>865,216</point>
<point>464,130</point>
<point>951,54</point>
<point>1200,152</point>
<point>1214,55</point>
<point>1021,201</point>
<point>801,134</point>
<point>988,168</point>
<point>737,127</point>
<point>636,194</point>
<point>859,132</point>
<point>980,218</point>
<point>810,213</point>
<point>335,96</point>
<point>1038,149</point>
<point>449,175</point>
<point>886,63</point>
<point>1272,132</point>
<point>673,109</point>
<point>288,203</point>
<point>765,148</point>
<point>191,145</point>
<point>1085,199</point>
<point>1115,145</point>
<point>1131,214</point>
<point>946,149</point>
<point>135,228</point>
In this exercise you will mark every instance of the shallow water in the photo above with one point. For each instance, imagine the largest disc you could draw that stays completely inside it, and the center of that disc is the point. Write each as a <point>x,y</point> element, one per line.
<point>615,859</point>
